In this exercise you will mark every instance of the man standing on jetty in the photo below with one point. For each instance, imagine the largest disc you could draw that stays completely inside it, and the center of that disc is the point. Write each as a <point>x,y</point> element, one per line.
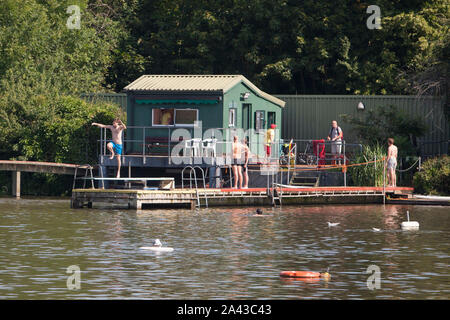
<point>392,163</point>
<point>237,162</point>
<point>246,152</point>
<point>335,136</point>
<point>114,146</point>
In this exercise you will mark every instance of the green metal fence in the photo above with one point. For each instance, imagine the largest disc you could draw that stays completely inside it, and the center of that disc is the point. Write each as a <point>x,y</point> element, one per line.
<point>309,116</point>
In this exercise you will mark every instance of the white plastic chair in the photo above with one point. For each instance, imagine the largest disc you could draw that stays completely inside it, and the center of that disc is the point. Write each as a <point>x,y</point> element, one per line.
<point>209,145</point>
<point>193,145</point>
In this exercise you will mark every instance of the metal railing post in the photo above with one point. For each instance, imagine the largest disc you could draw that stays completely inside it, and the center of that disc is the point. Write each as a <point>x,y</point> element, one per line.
<point>168,147</point>
<point>384,180</point>
<point>104,141</point>
<point>375,174</point>
<point>345,171</point>
<point>317,153</point>
<point>143,145</point>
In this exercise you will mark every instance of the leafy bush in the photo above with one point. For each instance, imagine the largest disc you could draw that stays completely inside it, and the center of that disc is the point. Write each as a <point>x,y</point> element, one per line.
<point>434,178</point>
<point>370,174</point>
<point>58,130</point>
<point>54,130</point>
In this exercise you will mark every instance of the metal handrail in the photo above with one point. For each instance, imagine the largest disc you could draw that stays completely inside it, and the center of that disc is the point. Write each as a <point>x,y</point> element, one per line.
<point>87,168</point>
<point>222,146</point>
<point>192,170</point>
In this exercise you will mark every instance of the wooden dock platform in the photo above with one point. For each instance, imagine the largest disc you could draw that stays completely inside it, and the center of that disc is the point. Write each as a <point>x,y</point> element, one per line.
<point>137,199</point>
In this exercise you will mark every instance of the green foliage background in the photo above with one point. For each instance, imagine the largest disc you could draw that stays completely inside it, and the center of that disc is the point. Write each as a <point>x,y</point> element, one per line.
<point>44,66</point>
<point>434,178</point>
<point>370,174</point>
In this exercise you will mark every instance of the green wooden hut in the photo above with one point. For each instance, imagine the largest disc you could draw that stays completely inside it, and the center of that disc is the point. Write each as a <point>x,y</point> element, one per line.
<point>162,103</point>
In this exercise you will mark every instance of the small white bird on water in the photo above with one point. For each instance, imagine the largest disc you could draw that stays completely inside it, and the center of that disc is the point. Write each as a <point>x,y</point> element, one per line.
<point>376,229</point>
<point>157,246</point>
<point>333,224</point>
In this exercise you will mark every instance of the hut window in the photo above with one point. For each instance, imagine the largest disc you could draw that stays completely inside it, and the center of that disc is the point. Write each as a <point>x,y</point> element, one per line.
<point>232,117</point>
<point>259,120</point>
<point>186,117</point>
<point>162,117</point>
<point>271,118</point>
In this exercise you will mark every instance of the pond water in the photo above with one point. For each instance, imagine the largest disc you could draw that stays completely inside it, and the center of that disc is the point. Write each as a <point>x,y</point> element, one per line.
<point>222,253</point>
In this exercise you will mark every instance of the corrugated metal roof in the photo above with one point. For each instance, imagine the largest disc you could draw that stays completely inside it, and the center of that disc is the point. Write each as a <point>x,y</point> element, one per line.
<point>195,83</point>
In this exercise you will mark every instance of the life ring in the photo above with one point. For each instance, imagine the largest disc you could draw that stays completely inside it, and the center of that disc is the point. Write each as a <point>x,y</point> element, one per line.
<point>301,274</point>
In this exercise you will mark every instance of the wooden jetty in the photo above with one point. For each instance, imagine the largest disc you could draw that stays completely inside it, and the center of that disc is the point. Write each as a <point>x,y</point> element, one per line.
<point>138,199</point>
<point>36,166</point>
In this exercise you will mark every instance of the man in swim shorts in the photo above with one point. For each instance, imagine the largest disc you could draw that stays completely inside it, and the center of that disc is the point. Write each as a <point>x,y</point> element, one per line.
<point>237,162</point>
<point>114,146</point>
<point>392,163</point>
<point>246,152</point>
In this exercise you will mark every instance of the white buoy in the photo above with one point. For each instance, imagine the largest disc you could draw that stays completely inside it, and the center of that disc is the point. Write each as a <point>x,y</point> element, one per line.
<point>410,225</point>
<point>333,224</point>
<point>157,246</point>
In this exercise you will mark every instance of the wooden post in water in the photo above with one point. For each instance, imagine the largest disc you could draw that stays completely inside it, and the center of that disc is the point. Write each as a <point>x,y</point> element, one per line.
<point>16,184</point>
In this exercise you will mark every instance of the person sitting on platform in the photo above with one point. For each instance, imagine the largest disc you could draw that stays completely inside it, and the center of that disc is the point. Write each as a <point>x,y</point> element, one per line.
<point>114,146</point>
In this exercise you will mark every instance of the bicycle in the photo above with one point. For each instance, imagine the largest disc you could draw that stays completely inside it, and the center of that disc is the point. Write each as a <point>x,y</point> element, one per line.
<point>307,157</point>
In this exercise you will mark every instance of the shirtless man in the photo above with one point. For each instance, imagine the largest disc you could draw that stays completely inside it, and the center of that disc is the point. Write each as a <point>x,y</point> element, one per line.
<point>246,152</point>
<point>392,163</point>
<point>237,163</point>
<point>114,146</point>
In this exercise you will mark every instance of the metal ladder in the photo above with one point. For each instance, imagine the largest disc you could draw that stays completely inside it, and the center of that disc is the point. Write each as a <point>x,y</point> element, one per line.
<point>190,179</point>
<point>276,196</point>
<point>87,168</point>
<point>272,192</point>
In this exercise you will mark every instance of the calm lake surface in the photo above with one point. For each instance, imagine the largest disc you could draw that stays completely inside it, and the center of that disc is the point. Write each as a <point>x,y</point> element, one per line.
<point>221,253</point>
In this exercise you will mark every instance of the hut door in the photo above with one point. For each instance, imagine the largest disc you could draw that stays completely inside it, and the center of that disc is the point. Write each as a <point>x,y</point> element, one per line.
<point>246,112</point>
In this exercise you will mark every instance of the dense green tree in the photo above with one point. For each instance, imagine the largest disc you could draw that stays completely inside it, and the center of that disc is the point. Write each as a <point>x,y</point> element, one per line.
<point>284,46</point>
<point>41,59</point>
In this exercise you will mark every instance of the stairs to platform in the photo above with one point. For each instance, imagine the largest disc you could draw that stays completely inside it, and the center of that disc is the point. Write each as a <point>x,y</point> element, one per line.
<point>305,179</point>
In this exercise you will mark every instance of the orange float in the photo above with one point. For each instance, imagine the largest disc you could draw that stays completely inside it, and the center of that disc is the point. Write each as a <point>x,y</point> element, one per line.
<point>304,274</point>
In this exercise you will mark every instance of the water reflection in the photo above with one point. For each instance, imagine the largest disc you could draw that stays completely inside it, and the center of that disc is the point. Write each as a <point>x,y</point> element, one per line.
<point>228,253</point>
